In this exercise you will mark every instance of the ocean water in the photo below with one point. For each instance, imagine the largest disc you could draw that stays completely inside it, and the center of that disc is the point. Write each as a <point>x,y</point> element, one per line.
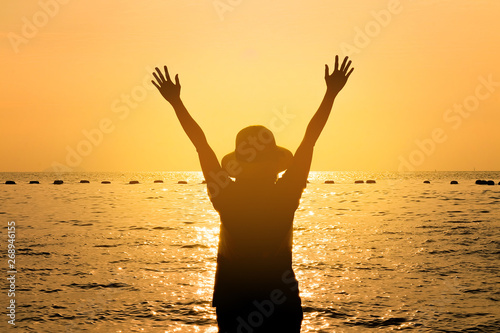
<point>395,255</point>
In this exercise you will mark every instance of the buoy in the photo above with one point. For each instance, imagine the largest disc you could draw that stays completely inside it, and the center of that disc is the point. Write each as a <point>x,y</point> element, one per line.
<point>133,182</point>
<point>10,182</point>
<point>34,182</point>
<point>427,182</point>
<point>105,182</point>
<point>490,182</point>
<point>58,182</point>
<point>453,182</point>
<point>84,182</point>
<point>329,182</point>
<point>158,181</point>
<point>481,182</point>
<point>182,182</point>
<point>359,182</point>
<point>370,181</point>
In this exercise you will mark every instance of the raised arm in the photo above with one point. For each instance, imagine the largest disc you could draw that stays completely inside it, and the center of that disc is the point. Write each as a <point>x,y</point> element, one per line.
<point>171,92</point>
<point>334,83</point>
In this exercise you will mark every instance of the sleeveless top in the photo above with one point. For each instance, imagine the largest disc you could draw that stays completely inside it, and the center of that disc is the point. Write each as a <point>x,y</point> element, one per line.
<point>255,244</point>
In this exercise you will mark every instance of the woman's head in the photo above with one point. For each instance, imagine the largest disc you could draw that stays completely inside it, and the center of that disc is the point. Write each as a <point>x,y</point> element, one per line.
<point>256,155</point>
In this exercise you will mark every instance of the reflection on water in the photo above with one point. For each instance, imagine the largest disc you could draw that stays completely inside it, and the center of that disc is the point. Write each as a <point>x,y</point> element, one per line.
<point>398,254</point>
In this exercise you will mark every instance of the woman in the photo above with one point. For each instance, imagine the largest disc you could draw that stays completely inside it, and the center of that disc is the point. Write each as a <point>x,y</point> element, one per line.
<point>255,287</point>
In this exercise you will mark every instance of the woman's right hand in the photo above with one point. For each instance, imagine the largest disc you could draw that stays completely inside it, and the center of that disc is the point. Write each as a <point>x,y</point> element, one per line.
<point>169,90</point>
<point>337,80</point>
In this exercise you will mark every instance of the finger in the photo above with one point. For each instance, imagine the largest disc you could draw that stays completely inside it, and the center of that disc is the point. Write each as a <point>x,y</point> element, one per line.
<point>347,66</point>
<point>160,74</point>
<point>349,73</point>
<point>157,78</point>
<point>154,83</point>
<point>177,83</point>
<point>166,73</point>
<point>343,64</point>
<point>336,62</point>
<point>327,71</point>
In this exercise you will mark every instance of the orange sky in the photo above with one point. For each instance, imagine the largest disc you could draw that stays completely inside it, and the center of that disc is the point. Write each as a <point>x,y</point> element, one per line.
<point>75,90</point>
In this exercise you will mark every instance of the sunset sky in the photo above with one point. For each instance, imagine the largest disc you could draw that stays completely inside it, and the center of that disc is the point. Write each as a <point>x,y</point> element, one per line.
<point>76,92</point>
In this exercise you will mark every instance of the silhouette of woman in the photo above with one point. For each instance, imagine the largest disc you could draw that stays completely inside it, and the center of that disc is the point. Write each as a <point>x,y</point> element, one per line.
<point>255,286</point>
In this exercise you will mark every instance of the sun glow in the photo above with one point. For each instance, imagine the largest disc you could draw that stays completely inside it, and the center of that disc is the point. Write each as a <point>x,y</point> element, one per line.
<point>78,94</point>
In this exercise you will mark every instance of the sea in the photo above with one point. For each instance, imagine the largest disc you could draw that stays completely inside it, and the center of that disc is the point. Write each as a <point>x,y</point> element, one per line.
<point>395,255</point>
